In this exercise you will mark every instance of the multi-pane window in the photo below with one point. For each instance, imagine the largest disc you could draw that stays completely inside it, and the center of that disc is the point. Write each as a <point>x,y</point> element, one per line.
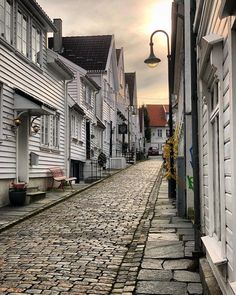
<point>50,131</point>
<point>35,46</point>
<point>6,19</point>
<point>88,95</point>
<point>159,132</point>
<point>27,35</point>
<point>215,146</point>
<point>76,125</point>
<point>73,126</point>
<point>45,126</point>
<point>55,131</point>
<point>22,33</point>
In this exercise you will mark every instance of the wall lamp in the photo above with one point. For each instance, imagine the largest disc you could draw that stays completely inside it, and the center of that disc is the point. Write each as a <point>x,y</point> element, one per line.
<point>34,128</point>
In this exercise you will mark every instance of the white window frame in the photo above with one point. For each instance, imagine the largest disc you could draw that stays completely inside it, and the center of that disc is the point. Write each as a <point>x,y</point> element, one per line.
<point>21,40</point>
<point>211,72</point>
<point>36,44</point>
<point>45,130</point>
<point>55,131</point>
<point>6,23</point>
<point>215,148</point>
<point>159,132</point>
<point>73,126</point>
<point>88,94</point>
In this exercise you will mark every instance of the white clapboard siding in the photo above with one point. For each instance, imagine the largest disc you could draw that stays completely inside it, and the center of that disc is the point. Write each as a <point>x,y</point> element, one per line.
<point>220,27</point>
<point>43,84</point>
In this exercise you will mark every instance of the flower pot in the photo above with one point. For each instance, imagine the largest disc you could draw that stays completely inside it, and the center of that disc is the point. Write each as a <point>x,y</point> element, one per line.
<point>17,197</point>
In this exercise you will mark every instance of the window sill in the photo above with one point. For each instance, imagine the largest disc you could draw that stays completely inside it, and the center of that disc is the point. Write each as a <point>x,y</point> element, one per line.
<point>213,250</point>
<point>50,150</point>
<point>45,149</point>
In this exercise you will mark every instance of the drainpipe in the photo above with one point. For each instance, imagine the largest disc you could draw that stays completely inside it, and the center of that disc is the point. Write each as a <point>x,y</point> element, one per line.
<point>194,99</point>
<point>67,131</point>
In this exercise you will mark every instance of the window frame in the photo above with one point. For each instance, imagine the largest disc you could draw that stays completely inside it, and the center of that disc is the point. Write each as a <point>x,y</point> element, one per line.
<point>159,132</point>
<point>55,141</point>
<point>19,45</point>
<point>45,136</point>
<point>38,54</point>
<point>4,24</point>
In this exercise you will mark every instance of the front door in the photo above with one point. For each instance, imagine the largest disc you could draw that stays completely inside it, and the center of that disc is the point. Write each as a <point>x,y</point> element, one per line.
<point>88,140</point>
<point>22,158</point>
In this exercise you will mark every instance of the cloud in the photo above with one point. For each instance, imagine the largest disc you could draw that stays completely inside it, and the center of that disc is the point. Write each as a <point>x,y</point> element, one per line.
<point>132,23</point>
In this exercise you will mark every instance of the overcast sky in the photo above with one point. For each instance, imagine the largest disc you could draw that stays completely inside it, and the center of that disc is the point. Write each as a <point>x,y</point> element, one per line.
<point>132,22</point>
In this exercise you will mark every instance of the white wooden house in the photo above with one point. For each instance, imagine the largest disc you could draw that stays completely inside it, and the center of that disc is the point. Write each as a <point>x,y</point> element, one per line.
<point>158,116</point>
<point>97,55</point>
<point>134,134</point>
<point>216,40</point>
<point>32,96</point>
<point>85,129</point>
<point>123,105</point>
<point>214,26</point>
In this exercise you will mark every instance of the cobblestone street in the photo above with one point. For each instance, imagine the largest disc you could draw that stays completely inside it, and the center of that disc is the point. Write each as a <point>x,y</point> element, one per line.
<point>91,243</point>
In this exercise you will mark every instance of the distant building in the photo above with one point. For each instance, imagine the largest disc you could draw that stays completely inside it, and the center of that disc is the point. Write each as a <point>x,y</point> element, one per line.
<point>158,116</point>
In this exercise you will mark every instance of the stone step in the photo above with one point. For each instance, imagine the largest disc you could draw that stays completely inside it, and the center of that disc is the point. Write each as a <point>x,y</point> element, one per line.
<point>34,196</point>
<point>32,189</point>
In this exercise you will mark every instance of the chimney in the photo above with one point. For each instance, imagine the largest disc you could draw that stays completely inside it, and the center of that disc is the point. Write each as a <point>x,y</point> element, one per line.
<point>57,36</point>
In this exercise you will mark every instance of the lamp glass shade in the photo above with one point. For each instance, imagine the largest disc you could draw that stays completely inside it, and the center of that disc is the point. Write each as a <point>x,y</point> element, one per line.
<point>152,61</point>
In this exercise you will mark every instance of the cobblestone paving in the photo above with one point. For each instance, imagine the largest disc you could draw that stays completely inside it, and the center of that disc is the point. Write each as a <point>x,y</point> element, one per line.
<point>80,245</point>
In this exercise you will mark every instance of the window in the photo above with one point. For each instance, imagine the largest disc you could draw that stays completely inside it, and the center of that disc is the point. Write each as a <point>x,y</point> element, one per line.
<point>76,127</point>
<point>55,131</point>
<point>159,132</point>
<point>35,46</point>
<point>214,119</point>
<point>6,20</point>
<point>88,95</point>
<point>50,132</point>
<point>45,130</point>
<point>73,126</point>
<point>167,132</point>
<point>22,33</point>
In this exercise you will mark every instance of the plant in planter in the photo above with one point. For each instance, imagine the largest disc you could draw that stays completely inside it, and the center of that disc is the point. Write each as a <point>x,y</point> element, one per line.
<point>17,193</point>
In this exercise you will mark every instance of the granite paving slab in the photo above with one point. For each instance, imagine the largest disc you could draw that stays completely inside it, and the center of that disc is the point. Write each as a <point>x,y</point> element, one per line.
<point>164,249</point>
<point>178,264</point>
<point>182,225</point>
<point>152,263</point>
<point>161,230</point>
<point>195,289</point>
<point>185,231</point>
<point>186,276</point>
<point>154,275</point>
<point>162,288</point>
<point>163,236</point>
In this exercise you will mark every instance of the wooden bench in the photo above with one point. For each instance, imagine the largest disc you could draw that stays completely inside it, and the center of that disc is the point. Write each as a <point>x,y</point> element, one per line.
<point>59,176</point>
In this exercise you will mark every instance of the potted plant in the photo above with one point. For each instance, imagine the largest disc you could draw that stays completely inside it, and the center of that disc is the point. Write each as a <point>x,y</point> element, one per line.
<point>17,193</point>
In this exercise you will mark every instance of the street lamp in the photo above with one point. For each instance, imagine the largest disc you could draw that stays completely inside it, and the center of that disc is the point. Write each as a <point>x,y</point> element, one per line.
<point>152,62</point>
